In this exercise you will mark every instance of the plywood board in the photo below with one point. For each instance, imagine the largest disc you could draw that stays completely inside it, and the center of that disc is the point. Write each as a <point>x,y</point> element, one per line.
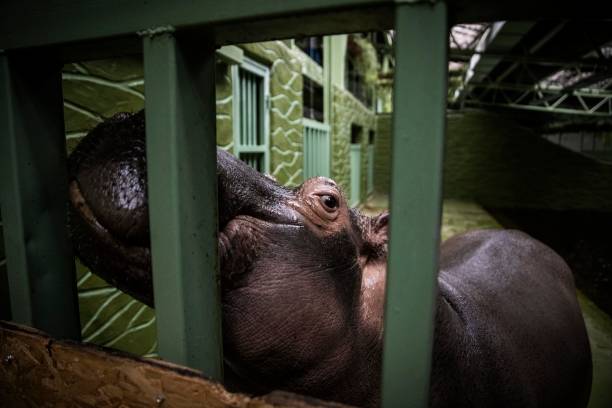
<point>37,371</point>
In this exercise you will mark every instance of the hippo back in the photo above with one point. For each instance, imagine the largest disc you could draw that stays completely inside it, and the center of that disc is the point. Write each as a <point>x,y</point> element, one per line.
<point>509,328</point>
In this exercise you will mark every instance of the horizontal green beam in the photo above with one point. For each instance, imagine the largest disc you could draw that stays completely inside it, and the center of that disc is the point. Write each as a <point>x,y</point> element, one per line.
<point>182,188</point>
<point>29,23</point>
<point>34,193</point>
<point>75,20</point>
<point>418,141</point>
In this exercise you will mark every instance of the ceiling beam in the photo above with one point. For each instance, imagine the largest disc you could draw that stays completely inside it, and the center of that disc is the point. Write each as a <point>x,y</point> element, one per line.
<point>502,37</point>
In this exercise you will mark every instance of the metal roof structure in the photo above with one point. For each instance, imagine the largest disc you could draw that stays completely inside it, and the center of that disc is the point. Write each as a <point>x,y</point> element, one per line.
<point>555,66</point>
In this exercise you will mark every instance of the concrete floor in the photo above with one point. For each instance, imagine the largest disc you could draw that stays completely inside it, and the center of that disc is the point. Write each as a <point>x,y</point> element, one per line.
<point>460,216</point>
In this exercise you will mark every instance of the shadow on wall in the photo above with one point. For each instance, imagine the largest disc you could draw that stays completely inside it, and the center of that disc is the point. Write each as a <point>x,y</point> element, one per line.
<point>493,160</point>
<point>490,159</point>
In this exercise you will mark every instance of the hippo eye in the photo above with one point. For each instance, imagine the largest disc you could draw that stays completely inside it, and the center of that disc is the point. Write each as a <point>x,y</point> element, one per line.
<point>329,202</point>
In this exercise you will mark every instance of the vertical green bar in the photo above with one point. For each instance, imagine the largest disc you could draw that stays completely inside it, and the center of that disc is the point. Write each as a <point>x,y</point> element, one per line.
<point>182,172</point>
<point>34,193</point>
<point>418,142</point>
<point>5,299</point>
<point>244,109</point>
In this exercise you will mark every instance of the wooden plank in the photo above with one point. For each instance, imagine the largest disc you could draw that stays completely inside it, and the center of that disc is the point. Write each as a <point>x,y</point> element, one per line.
<point>36,370</point>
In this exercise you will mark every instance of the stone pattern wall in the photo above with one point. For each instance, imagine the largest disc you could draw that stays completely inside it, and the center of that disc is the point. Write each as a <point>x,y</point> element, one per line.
<point>286,129</point>
<point>347,110</point>
<point>492,160</point>
<point>310,68</point>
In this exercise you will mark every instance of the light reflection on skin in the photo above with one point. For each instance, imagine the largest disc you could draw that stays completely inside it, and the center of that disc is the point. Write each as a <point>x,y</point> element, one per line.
<point>127,193</point>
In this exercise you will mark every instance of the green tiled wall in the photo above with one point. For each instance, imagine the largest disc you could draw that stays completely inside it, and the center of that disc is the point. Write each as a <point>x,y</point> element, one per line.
<point>498,163</point>
<point>491,159</point>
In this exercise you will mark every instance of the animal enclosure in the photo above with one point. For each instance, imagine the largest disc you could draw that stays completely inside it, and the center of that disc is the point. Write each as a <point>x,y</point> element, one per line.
<point>178,42</point>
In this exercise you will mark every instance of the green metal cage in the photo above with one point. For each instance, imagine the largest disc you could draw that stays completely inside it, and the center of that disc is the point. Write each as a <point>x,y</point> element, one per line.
<point>178,40</point>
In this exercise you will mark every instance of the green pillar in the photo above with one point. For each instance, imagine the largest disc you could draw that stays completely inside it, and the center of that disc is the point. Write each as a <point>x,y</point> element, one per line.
<point>34,192</point>
<point>417,148</point>
<point>182,173</point>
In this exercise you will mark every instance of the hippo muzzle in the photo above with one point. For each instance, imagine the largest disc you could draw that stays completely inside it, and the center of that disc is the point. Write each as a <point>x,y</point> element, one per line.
<point>109,215</point>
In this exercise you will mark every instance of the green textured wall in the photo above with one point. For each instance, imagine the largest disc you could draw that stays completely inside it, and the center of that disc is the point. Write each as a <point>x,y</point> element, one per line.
<point>347,110</point>
<point>491,159</point>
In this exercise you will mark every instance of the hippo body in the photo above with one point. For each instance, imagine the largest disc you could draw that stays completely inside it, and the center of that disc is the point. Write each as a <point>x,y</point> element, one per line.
<point>303,281</point>
<point>509,330</point>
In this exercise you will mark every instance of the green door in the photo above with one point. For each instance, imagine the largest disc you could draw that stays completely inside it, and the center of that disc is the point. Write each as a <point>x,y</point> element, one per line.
<point>355,173</point>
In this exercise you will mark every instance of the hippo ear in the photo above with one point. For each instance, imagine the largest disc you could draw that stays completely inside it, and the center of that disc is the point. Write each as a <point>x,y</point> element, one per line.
<point>381,225</point>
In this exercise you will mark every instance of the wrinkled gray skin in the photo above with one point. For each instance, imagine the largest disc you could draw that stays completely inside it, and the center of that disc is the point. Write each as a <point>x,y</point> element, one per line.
<point>303,287</point>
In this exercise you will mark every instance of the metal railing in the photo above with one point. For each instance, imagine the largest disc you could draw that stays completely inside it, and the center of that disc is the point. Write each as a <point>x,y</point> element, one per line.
<point>178,40</point>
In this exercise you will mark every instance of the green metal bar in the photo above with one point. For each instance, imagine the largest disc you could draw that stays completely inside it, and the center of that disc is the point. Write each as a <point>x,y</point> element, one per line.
<point>181,166</point>
<point>5,299</point>
<point>418,140</point>
<point>91,19</point>
<point>33,194</point>
<point>244,111</point>
<point>254,108</point>
<point>249,109</point>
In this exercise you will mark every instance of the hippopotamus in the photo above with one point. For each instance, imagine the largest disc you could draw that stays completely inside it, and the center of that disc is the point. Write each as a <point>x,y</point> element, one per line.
<point>303,285</point>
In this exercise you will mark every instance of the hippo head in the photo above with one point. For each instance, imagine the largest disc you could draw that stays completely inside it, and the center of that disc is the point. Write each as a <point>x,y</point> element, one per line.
<point>302,274</point>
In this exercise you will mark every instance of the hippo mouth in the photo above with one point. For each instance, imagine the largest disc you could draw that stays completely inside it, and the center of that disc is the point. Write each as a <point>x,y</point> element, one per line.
<point>125,265</point>
<point>112,238</point>
<point>134,253</point>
